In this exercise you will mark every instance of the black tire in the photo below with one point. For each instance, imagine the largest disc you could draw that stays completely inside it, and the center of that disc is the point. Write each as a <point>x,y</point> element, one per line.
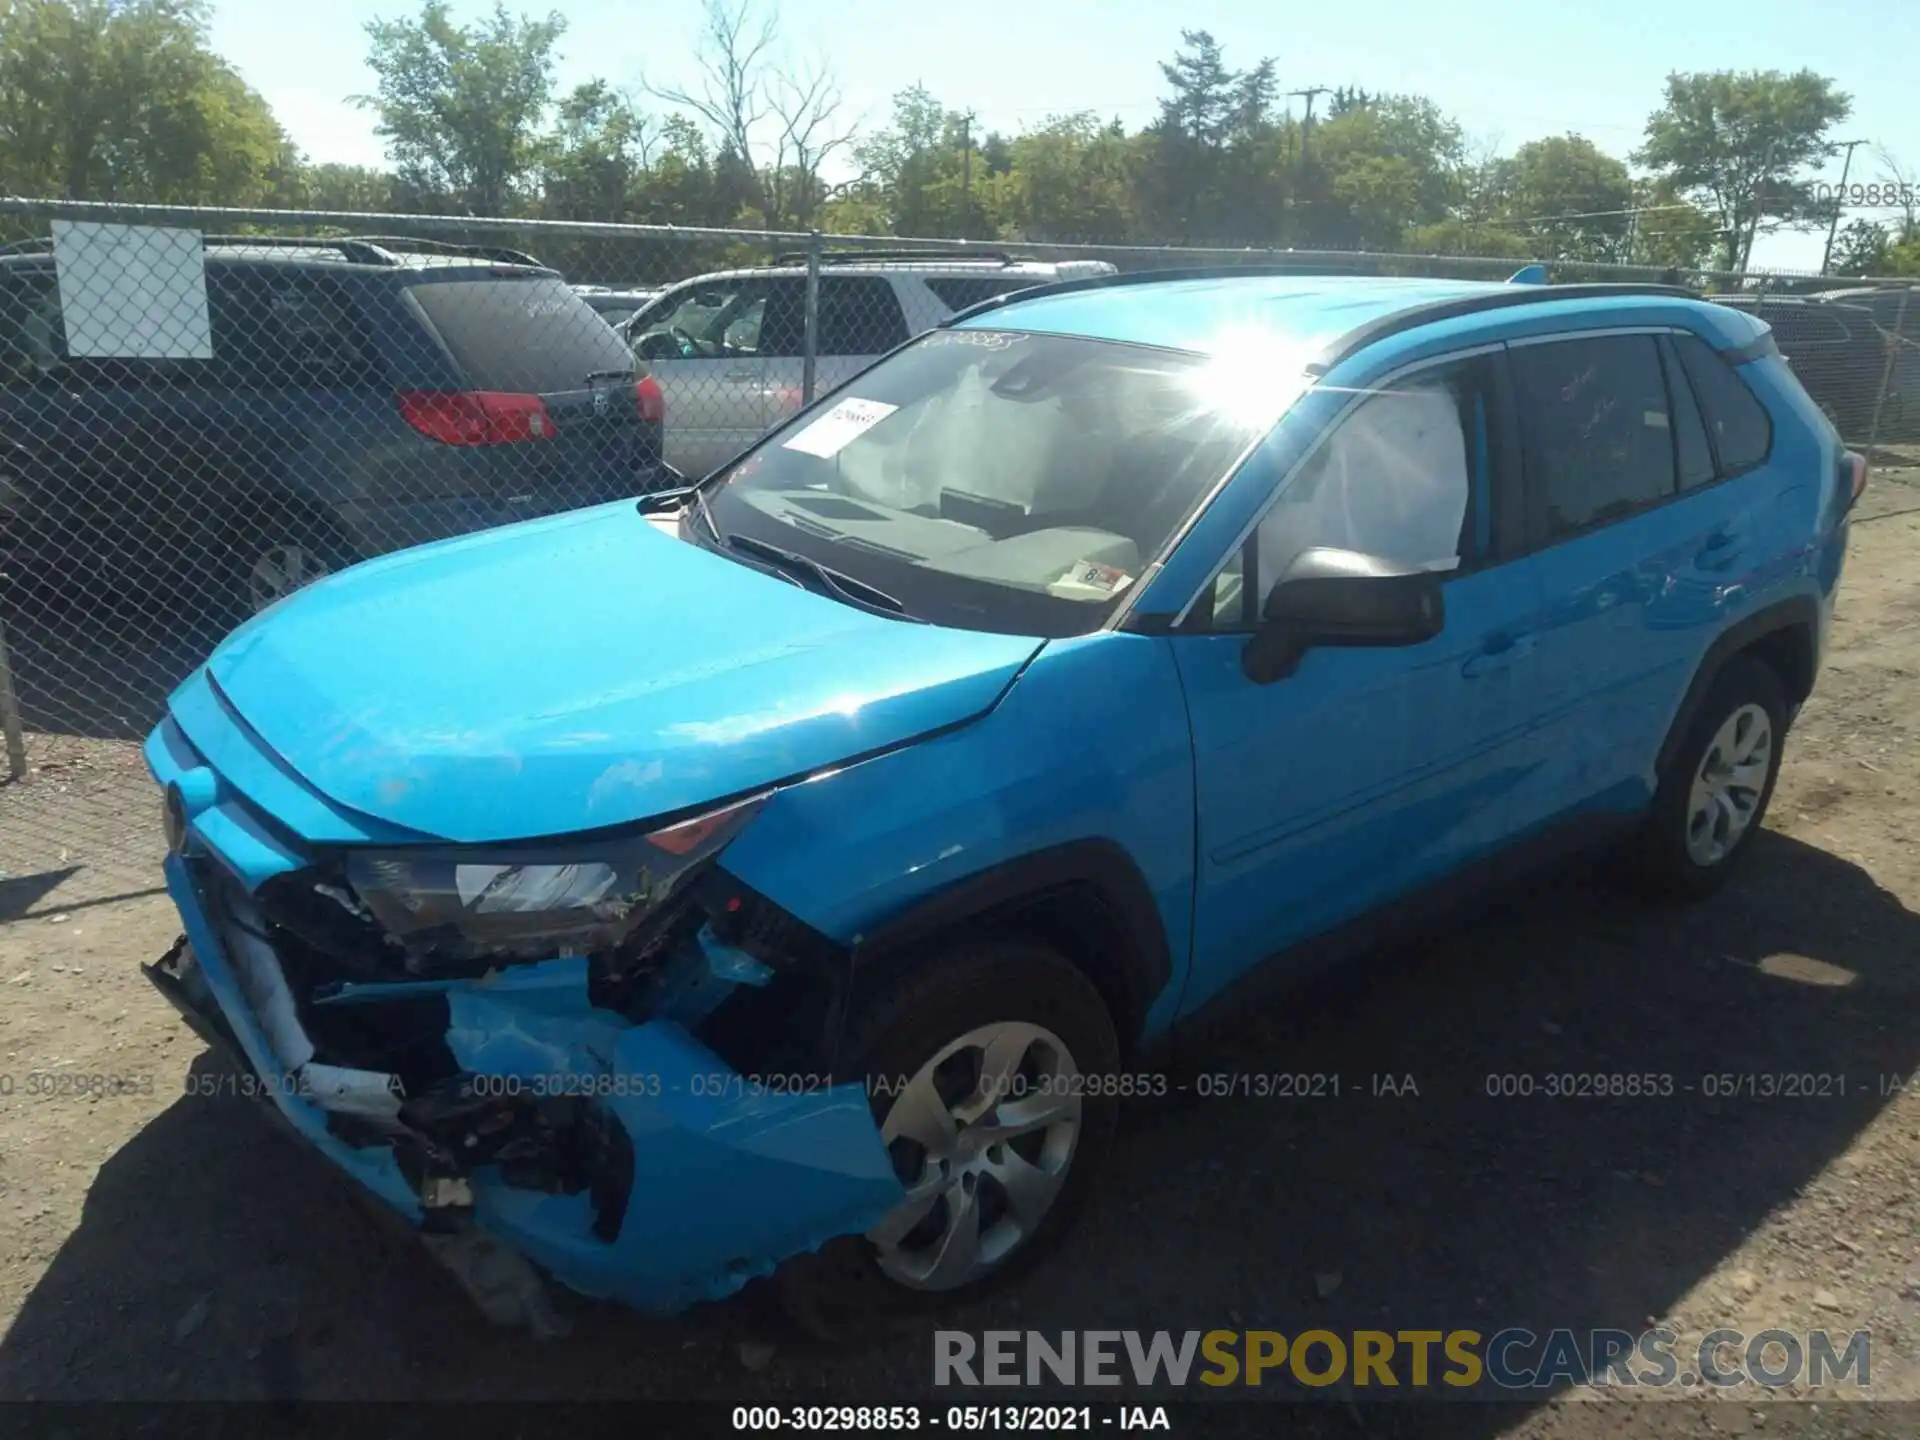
<point>300,536</point>
<point>1666,867</point>
<point>841,1291</point>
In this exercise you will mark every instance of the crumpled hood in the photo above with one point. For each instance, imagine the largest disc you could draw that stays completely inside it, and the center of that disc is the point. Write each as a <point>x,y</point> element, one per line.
<point>582,671</point>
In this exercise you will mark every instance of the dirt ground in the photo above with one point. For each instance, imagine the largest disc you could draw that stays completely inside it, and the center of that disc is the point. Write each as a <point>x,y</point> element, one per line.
<point>159,1244</point>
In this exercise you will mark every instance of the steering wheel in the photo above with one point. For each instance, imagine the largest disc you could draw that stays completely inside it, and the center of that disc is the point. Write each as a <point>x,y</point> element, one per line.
<point>689,346</point>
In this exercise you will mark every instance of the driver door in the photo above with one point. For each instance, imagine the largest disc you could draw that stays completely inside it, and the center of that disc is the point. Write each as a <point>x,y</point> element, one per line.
<point>1366,772</point>
<point>702,343</point>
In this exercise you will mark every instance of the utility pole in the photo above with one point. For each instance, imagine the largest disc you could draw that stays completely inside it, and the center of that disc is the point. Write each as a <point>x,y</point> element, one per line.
<point>1839,199</point>
<point>1310,94</point>
<point>966,174</point>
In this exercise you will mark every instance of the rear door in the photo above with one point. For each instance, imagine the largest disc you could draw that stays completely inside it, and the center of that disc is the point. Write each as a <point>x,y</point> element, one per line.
<point>702,342</point>
<point>860,320</point>
<point>1640,555</point>
<point>528,337</point>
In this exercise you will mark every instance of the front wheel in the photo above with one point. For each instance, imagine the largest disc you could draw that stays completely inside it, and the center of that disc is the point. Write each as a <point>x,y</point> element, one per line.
<point>982,1063</point>
<point>1714,797</point>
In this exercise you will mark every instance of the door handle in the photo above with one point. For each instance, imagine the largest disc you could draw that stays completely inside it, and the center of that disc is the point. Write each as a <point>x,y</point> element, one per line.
<point>743,374</point>
<point>1498,655</point>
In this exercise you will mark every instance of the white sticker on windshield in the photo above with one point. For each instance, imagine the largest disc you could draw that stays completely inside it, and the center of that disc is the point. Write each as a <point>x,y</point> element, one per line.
<point>1090,580</point>
<point>839,427</point>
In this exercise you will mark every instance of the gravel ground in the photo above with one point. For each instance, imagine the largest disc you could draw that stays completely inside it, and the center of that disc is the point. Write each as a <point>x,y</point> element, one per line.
<point>164,1245</point>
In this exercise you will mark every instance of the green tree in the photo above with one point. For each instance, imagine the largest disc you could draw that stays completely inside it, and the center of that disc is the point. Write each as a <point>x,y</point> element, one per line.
<point>342,187</point>
<point>125,100</point>
<point>596,157</point>
<point>1668,231</point>
<point>1071,179</point>
<point>1737,144</point>
<point>1569,198</point>
<point>1394,164</point>
<point>1862,248</point>
<point>461,106</point>
<point>917,171</point>
<point>1207,171</point>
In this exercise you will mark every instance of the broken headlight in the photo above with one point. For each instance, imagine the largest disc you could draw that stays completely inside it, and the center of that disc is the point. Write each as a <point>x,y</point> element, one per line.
<point>535,901</point>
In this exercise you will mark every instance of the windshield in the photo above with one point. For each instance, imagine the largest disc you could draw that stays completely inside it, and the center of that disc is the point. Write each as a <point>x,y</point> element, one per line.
<point>993,480</point>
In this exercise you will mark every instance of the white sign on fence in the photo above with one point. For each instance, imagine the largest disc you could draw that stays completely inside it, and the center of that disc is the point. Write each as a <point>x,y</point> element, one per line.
<point>133,292</point>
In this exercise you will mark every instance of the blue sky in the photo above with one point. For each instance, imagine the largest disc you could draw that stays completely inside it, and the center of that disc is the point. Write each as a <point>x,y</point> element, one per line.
<point>1510,72</point>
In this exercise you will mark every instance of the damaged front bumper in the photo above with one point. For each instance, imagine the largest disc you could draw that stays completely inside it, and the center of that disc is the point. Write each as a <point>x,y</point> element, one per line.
<point>622,1157</point>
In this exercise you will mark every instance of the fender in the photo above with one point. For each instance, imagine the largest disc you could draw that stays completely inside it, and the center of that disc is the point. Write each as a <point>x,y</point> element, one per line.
<point>1796,611</point>
<point>1132,962</point>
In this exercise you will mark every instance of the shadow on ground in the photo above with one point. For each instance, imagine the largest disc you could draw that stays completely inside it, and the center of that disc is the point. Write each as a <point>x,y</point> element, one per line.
<point>215,1259</point>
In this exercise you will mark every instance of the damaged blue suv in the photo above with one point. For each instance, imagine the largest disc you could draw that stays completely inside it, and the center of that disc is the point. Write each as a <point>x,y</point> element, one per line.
<point>791,873</point>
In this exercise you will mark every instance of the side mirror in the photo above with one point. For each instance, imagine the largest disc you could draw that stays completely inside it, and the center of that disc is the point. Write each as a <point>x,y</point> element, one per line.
<point>1341,597</point>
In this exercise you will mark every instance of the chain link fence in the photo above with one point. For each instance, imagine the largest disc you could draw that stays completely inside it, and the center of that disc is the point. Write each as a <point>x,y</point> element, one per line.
<point>202,410</point>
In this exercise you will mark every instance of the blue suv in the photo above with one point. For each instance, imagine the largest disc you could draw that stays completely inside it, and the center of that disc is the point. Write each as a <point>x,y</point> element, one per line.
<point>791,873</point>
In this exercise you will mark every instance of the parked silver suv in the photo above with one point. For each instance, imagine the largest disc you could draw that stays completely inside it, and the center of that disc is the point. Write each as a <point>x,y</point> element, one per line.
<point>728,348</point>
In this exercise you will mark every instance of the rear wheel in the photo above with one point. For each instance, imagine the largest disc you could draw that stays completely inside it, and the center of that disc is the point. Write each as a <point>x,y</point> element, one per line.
<point>1714,796</point>
<point>283,548</point>
<point>982,1063</point>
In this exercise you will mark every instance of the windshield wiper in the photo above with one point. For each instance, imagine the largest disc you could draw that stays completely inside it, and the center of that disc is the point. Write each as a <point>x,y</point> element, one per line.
<point>856,592</point>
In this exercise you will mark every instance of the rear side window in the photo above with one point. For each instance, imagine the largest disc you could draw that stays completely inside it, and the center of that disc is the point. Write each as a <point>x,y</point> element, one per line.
<point>530,336</point>
<point>1737,423</point>
<point>1596,428</point>
<point>957,292</point>
<point>1691,450</point>
<point>276,327</point>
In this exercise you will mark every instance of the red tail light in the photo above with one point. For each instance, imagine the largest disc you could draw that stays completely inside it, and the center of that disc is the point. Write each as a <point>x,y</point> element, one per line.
<point>648,399</point>
<point>1854,466</point>
<point>476,417</point>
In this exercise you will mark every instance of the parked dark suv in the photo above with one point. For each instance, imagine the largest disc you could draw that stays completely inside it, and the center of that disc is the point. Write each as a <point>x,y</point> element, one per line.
<point>1838,352</point>
<point>362,395</point>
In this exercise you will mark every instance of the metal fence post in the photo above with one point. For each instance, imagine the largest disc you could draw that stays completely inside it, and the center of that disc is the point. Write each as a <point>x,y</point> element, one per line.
<point>812,343</point>
<point>10,713</point>
<point>1888,372</point>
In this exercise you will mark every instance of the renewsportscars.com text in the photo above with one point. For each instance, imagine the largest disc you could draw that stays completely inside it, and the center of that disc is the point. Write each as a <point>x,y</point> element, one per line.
<point>1515,1358</point>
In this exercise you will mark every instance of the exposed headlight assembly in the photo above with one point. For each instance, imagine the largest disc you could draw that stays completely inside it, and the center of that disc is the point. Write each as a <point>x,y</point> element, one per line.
<point>534,901</point>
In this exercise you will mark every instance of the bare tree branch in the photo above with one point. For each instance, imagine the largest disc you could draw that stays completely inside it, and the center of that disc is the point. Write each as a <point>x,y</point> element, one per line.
<point>807,108</point>
<point>731,97</point>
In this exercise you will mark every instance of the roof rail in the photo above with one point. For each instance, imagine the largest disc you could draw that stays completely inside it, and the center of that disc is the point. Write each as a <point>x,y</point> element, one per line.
<point>356,252</point>
<point>955,252</point>
<point>407,244</point>
<point>1492,298</point>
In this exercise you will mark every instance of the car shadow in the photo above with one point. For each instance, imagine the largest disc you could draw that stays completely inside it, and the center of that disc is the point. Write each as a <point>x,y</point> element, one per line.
<point>216,1259</point>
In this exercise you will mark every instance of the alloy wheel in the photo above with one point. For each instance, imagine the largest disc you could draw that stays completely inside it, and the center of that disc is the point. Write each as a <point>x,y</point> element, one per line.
<point>981,1138</point>
<point>279,571</point>
<point>1728,785</point>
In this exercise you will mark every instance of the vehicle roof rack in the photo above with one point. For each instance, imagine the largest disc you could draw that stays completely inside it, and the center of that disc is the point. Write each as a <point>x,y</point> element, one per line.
<point>407,244</point>
<point>356,249</point>
<point>1493,298</point>
<point>954,252</point>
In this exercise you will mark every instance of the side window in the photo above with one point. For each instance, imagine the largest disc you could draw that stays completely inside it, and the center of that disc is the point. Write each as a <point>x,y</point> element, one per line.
<point>702,321</point>
<point>1407,476</point>
<point>957,292</point>
<point>1594,421</point>
<point>1691,450</point>
<point>32,340</point>
<point>783,330</point>
<point>1737,423</point>
<point>280,328</point>
<point>859,315</point>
